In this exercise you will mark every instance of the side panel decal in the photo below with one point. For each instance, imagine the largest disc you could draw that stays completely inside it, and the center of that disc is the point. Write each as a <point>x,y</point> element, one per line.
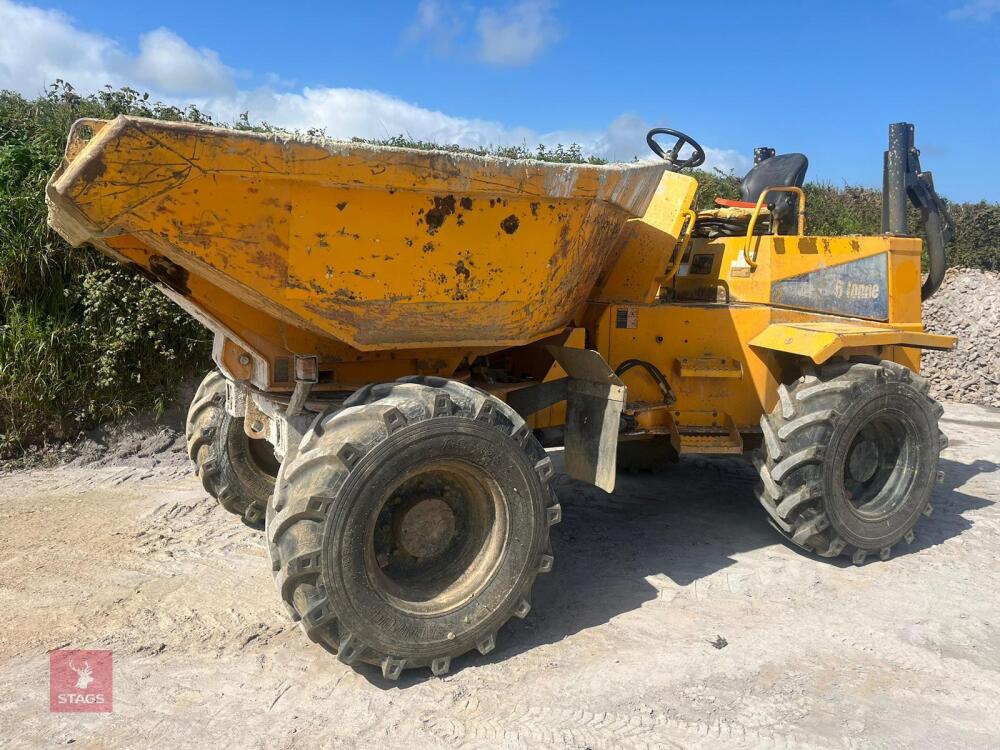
<point>859,289</point>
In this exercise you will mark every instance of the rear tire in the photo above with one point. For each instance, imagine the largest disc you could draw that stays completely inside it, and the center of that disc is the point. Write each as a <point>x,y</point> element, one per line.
<point>408,527</point>
<point>850,457</point>
<point>234,468</point>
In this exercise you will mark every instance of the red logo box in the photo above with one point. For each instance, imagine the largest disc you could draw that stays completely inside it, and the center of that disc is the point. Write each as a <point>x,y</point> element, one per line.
<point>80,681</point>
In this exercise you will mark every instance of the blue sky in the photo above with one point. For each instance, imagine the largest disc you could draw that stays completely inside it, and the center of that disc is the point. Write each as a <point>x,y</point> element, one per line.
<point>824,78</point>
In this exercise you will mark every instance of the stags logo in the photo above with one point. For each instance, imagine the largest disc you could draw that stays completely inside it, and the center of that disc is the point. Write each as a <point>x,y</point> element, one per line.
<point>80,681</point>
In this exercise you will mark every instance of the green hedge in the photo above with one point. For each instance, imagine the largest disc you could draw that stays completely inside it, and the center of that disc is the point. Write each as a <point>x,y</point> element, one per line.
<point>83,341</point>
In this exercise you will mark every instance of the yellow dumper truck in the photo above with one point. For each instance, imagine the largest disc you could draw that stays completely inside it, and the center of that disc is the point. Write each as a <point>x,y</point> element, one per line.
<point>395,328</point>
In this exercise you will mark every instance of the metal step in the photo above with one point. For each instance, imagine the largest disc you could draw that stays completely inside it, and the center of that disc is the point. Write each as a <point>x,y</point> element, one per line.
<point>709,367</point>
<point>715,442</point>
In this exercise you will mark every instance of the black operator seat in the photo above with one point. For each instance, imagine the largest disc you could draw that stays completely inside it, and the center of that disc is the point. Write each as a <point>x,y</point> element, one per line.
<point>785,170</point>
<point>769,171</point>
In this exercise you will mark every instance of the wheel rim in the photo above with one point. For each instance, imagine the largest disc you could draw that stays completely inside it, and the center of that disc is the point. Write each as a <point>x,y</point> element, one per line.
<point>875,477</point>
<point>437,537</point>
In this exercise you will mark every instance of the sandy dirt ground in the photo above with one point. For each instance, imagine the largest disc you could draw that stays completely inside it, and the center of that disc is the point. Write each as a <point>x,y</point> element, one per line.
<point>618,651</point>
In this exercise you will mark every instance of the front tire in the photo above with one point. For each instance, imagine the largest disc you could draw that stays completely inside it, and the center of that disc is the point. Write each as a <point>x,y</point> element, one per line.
<point>850,458</point>
<point>408,527</point>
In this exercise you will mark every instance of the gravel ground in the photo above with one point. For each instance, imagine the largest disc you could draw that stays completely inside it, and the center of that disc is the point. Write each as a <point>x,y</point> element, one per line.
<point>967,306</point>
<point>620,649</point>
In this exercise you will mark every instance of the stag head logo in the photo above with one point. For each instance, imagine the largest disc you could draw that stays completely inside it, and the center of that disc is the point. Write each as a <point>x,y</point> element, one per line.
<point>84,675</point>
<point>80,680</point>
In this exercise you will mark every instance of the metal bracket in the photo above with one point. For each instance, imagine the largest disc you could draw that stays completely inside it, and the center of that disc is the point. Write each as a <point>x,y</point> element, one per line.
<point>595,398</point>
<point>534,398</point>
<point>306,376</point>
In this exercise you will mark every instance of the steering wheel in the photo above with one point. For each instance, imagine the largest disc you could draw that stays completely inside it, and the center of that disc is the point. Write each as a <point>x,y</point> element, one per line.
<point>695,160</point>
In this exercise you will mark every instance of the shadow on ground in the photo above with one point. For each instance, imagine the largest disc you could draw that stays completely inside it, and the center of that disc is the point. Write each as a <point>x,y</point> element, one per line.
<point>686,524</point>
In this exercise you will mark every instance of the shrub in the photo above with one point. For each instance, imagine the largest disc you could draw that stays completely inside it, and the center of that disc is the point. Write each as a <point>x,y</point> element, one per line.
<point>82,340</point>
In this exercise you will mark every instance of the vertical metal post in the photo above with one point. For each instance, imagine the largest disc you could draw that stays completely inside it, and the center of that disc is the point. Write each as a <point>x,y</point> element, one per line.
<point>894,178</point>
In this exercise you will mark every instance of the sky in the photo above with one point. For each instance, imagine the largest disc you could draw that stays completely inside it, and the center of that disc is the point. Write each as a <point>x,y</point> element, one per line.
<point>822,78</point>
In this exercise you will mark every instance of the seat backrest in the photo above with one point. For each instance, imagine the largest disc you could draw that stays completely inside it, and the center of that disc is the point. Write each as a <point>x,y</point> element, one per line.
<point>786,170</point>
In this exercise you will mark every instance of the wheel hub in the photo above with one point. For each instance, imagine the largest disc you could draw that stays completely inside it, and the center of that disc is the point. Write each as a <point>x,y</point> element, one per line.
<point>426,528</point>
<point>874,471</point>
<point>437,537</point>
<point>863,461</point>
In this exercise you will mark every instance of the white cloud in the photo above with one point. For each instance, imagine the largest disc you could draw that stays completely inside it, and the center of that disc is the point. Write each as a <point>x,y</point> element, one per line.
<point>977,10</point>
<point>39,46</point>
<point>726,160</point>
<point>344,112</point>
<point>168,63</point>
<point>437,23</point>
<point>517,34</point>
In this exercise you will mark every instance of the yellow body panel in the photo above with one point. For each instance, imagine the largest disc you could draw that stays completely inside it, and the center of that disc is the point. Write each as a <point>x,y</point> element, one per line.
<point>386,262</point>
<point>378,248</point>
<point>820,341</point>
<point>647,244</point>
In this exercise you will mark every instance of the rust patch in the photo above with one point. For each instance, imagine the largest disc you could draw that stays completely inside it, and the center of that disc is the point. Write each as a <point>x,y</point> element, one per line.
<point>342,205</point>
<point>272,261</point>
<point>321,239</point>
<point>466,203</point>
<point>94,168</point>
<point>443,208</point>
<point>428,247</point>
<point>170,274</point>
<point>461,269</point>
<point>534,209</point>
<point>510,224</point>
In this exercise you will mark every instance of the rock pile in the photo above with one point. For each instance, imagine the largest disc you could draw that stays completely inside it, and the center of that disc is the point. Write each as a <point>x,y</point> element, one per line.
<point>968,306</point>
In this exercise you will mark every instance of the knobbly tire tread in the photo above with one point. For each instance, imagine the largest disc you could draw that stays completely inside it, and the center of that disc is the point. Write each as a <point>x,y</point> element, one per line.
<point>210,431</point>
<point>334,445</point>
<point>792,452</point>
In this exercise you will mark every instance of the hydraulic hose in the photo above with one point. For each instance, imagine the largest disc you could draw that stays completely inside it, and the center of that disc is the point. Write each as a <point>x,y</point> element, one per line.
<point>654,372</point>
<point>937,261</point>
